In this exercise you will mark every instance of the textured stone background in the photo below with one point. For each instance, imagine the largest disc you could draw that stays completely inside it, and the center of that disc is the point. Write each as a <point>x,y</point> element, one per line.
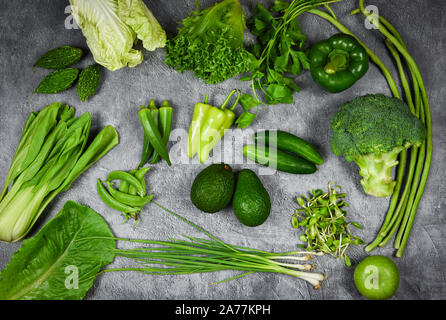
<point>30,28</point>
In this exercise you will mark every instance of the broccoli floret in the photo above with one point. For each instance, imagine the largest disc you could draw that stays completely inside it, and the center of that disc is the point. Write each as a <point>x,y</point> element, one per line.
<point>372,130</point>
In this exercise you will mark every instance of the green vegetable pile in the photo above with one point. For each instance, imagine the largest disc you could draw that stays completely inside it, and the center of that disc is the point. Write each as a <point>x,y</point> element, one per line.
<point>210,43</point>
<point>78,241</point>
<point>323,218</point>
<point>51,154</point>
<point>131,194</point>
<point>412,173</point>
<point>378,132</point>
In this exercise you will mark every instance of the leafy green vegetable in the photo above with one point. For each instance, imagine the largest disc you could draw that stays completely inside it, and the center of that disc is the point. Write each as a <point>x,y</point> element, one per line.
<point>411,181</point>
<point>248,102</point>
<point>59,58</point>
<point>76,242</point>
<point>138,17</point>
<point>210,43</point>
<point>58,81</point>
<point>111,28</point>
<point>372,130</point>
<point>280,49</point>
<point>50,156</point>
<point>88,81</point>
<point>323,218</point>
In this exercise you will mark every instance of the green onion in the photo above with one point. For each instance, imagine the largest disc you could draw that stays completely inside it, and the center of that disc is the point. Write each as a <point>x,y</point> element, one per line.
<point>196,255</point>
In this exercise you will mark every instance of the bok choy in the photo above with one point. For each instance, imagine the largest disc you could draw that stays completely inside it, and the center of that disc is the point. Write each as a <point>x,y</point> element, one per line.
<point>50,156</point>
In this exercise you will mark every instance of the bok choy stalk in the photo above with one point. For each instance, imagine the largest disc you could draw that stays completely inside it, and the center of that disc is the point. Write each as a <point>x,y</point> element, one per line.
<point>50,156</point>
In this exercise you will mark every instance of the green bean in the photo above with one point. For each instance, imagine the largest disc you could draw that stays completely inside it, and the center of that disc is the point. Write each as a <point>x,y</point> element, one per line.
<point>131,179</point>
<point>112,202</point>
<point>128,199</point>
<point>132,190</point>
<point>124,186</point>
<point>139,174</point>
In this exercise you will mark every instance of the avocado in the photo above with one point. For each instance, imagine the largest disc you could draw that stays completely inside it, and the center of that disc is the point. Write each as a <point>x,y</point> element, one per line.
<point>213,188</point>
<point>251,201</point>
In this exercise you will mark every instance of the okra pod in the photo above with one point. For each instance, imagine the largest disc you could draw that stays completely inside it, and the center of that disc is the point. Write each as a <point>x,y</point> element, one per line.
<point>153,134</point>
<point>165,126</point>
<point>147,147</point>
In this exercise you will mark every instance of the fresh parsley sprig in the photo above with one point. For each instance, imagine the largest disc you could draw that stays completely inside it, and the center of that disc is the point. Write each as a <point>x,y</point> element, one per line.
<point>281,53</point>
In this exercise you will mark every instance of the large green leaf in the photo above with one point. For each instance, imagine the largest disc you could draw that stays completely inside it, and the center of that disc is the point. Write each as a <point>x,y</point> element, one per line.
<point>76,242</point>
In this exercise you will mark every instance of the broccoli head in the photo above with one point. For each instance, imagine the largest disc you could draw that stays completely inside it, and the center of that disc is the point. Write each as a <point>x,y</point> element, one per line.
<point>372,130</point>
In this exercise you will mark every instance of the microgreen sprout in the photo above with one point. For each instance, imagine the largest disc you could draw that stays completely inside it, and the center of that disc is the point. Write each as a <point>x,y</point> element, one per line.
<point>323,219</point>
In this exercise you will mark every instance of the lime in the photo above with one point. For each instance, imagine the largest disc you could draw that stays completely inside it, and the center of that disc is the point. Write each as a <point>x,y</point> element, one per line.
<point>377,277</point>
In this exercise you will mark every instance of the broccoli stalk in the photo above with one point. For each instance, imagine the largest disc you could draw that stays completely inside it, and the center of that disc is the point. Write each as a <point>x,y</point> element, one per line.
<point>372,130</point>
<point>376,172</point>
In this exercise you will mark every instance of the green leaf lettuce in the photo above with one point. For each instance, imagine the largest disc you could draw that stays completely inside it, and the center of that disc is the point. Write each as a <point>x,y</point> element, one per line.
<point>62,260</point>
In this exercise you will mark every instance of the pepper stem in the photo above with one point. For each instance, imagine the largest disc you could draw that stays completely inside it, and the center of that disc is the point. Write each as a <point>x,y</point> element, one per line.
<point>152,104</point>
<point>338,61</point>
<point>236,100</point>
<point>206,98</point>
<point>229,98</point>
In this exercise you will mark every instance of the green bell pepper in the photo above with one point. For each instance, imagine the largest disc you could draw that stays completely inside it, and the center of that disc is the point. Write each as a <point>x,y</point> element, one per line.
<point>338,62</point>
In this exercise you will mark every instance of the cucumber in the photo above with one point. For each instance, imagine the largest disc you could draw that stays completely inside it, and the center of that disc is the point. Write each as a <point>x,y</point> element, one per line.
<point>59,58</point>
<point>281,161</point>
<point>287,142</point>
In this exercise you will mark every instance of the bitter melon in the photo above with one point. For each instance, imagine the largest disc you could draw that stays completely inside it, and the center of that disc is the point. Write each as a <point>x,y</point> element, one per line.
<point>88,81</point>
<point>59,58</point>
<point>57,81</point>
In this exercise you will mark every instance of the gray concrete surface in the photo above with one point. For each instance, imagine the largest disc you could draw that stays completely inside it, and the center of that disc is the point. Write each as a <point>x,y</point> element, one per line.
<point>30,28</point>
